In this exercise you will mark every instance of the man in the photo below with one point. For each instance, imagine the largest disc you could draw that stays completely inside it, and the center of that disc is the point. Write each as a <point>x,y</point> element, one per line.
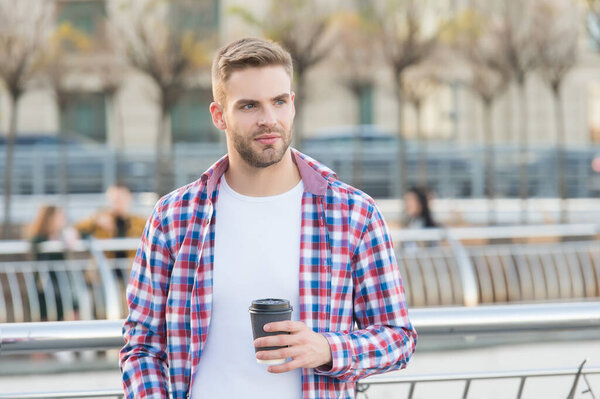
<point>264,221</point>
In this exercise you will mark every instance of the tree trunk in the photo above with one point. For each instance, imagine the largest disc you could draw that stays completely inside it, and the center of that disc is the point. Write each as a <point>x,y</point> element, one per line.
<point>63,154</point>
<point>8,166</point>
<point>117,134</point>
<point>422,148</point>
<point>560,154</point>
<point>299,106</point>
<point>489,161</point>
<point>523,154</point>
<point>401,145</point>
<point>357,147</point>
<point>164,155</point>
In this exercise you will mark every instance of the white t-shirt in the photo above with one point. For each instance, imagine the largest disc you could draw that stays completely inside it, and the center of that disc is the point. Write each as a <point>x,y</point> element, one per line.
<point>257,254</point>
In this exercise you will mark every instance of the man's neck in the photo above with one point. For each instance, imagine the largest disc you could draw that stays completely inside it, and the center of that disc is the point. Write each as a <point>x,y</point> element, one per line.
<point>262,182</point>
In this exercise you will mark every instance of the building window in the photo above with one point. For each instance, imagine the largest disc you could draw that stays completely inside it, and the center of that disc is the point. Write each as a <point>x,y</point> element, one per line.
<point>85,115</point>
<point>85,16</point>
<point>593,114</point>
<point>593,32</point>
<point>365,101</point>
<point>191,121</point>
<point>195,16</point>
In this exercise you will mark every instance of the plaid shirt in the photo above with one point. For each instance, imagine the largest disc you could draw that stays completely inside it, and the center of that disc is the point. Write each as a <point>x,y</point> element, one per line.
<point>348,274</point>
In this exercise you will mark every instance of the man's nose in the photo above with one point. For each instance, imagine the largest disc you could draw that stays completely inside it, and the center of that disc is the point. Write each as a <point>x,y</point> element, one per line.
<point>267,117</point>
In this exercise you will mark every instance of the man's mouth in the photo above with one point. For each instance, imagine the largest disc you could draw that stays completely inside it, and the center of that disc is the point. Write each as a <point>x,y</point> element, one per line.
<point>267,139</point>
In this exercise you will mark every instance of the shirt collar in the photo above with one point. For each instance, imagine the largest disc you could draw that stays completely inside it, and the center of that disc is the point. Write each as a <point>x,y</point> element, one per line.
<point>314,176</point>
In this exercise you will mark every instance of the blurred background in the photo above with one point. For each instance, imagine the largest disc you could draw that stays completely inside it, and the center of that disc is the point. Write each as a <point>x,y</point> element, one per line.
<point>475,125</point>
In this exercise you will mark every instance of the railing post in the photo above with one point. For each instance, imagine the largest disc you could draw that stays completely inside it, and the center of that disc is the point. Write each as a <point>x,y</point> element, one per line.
<point>112,296</point>
<point>467,386</point>
<point>574,387</point>
<point>411,391</point>
<point>521,387</point>
<point>467,271</point>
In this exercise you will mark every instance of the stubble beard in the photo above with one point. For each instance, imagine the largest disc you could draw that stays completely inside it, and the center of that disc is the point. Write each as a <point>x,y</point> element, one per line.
<point>265,156</point>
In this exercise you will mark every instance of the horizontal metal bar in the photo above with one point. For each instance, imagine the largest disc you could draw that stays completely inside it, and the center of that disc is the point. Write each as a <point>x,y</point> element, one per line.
<point>429,322</point>
<point>545,230</point>
<point>507,318</point>
<point>58,395</point>
<point>15,247</point>
<point>398,235</point>
<point>61,335</point>
<point>484,375</point>
<point>491,232</point>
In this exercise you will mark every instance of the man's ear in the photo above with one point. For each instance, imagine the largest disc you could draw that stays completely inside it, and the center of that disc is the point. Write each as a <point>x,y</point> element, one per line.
<point>293,98</point>
<point>216,111</point>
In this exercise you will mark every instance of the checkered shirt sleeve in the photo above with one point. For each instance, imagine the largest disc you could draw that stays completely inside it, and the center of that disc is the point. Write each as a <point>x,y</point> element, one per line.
<point>385,339</point>
<point>143,359</point>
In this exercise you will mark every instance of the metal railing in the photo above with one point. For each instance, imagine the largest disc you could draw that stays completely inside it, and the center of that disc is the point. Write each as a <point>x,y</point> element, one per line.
<point>86,288</point>
<point>439,267</point>
<point>432,324</point>
<point>468,378</point>
<point>435,325</point>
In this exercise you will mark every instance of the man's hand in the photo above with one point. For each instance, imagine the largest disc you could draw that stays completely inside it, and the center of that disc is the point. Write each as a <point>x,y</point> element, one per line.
<point>307,348</point>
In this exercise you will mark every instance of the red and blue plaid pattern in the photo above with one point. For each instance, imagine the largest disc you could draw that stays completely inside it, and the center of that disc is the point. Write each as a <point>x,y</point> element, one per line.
<point>348,274</point>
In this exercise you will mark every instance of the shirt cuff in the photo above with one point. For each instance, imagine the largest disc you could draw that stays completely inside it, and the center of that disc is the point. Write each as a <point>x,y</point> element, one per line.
<point>341,355</point>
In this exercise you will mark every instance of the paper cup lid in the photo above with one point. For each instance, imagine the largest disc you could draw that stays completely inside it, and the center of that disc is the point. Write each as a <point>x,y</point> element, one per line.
<point>271,304</point>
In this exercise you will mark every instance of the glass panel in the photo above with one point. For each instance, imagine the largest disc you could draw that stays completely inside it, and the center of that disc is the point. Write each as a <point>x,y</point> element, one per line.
<point>85,115</point>
<point>593,32</point>
<point>593,114</point>
<point>196,16</point>
<point>366,105</point>
<point>83,15</point>
<point>191,121</point>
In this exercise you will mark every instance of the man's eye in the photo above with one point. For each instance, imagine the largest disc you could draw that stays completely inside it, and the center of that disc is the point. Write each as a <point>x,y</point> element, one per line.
<point>248,106</point>
<point>280,102</point>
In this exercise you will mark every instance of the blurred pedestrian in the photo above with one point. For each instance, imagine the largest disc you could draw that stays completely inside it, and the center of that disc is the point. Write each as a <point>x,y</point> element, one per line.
<point>417,215</point>
<point>417,210</point>
<point>115,221</point>
<point>50,224</point>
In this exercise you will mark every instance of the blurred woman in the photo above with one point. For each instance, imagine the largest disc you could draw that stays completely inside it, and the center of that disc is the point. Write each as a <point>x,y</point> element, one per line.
<point>417,210</point>
<point>50,224</point>
<point>417,215</point>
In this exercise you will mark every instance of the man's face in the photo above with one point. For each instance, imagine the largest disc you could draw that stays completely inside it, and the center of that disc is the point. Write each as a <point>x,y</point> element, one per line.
<point>257,115</point>
<point>119,199</point>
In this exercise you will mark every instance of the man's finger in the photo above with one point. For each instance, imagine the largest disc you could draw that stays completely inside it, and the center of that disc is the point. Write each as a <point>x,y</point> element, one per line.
<point>275,340</point>
<point>282,353</point>
<point>284,368</point>
<point>284,326</point>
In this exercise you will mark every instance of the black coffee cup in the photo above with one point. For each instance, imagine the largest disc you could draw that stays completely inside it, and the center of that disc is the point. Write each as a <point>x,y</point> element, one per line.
<point>264,311</point>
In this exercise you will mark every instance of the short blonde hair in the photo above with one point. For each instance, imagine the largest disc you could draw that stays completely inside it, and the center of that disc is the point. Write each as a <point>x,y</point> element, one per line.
<point>246,53</point>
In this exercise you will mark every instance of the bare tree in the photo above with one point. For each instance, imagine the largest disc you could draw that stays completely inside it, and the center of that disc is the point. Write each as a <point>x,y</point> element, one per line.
<point>513,34</point>
<point>112,74</point>
<point>302,27</point>
<point>173,56</point>
<point>57,67</point>
<point>404,44</point>
<point>24,26</point>
<point>593,8</point>
<point>356,58</point>
<point>555,36</point>
<point>487,75</point>
<point>419,82</point>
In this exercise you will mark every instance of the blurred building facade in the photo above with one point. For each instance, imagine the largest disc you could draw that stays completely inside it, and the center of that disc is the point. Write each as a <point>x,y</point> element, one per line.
<point>126,115</point>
